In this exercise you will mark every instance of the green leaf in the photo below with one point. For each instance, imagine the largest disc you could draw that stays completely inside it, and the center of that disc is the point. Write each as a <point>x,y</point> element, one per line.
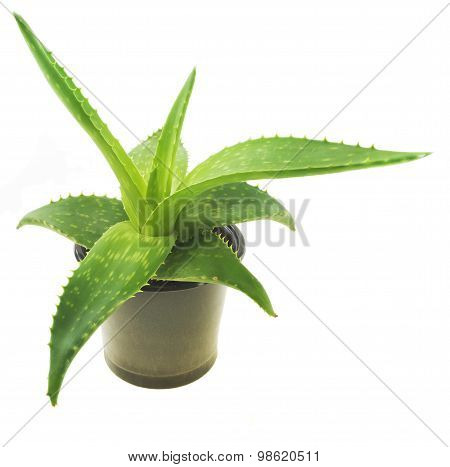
<point>164,163</point>
<point>210,260</point>
<point>82,219</point>
<point>132,184</point>
<point>115,270</point>
<point>231,204</point>
<point>290,157</point>
<point>143,154</point>
<point>270,158</point>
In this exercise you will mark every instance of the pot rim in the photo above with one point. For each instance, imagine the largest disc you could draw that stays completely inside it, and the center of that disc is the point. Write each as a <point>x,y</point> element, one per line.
<point>230,233</point>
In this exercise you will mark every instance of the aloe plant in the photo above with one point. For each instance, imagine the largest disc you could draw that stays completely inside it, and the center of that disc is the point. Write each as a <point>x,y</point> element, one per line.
<point>138,237</point>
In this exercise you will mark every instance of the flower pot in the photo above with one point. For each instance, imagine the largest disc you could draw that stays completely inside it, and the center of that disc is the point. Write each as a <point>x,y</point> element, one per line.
<point>166,336</point>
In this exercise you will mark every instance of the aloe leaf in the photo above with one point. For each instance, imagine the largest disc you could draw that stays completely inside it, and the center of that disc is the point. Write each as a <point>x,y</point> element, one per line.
<point>142,156</point>
<point>160,181</point>
<point>115,270</point>
<point>271,158</point>
<point>132,184</point>
<point>82,219</point>
<point>212,261</point>
<point>290,157</point>
<point>231,204</point>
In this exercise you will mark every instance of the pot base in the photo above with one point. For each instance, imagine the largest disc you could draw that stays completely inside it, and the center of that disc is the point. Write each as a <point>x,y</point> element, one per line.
<point>161,382</point>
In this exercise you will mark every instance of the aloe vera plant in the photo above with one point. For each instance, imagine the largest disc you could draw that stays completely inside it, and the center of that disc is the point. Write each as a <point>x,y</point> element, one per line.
<point>142,236</point>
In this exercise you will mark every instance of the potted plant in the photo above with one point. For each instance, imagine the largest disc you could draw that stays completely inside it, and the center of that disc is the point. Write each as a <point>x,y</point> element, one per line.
<point>155,262</point>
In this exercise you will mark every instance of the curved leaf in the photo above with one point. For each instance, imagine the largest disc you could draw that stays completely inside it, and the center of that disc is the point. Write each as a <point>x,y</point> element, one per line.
<point>270,158</point>
<point>210,260</point>
<point>82,219</point>
<point>142,156</point>
<point>231,204</point>
<point>132,184</point>
<point>160,181</point>
<point>290,157</point>
<point>115,270</point>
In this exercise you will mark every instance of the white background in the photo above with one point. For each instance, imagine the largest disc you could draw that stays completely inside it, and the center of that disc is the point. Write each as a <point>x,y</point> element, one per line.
<point>377,271</point>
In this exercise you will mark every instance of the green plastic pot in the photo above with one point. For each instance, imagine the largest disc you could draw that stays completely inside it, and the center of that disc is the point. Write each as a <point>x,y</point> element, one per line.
<point>166,336</point>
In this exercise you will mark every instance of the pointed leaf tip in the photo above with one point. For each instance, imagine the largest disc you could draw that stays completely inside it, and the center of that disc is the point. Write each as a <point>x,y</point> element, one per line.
<point>291,224</point>
<point>19,19</point>
<point>24,27</point>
